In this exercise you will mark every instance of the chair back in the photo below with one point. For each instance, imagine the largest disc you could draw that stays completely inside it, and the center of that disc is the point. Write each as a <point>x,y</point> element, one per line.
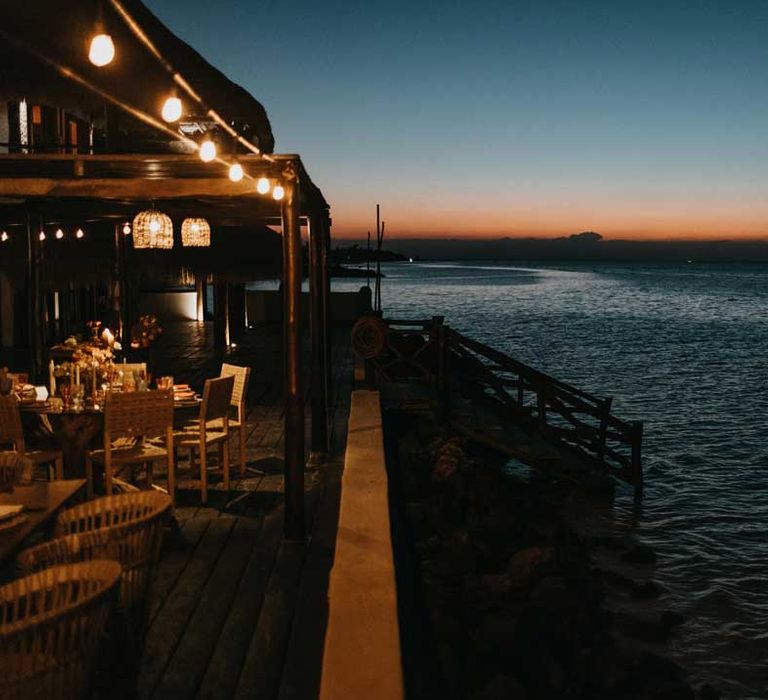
<point>127,528</point>
<point>217,397</point>
<point>11,430</point>
<point>137,413</point>
<point>241,375</point>
<point>11,470</point>
<point>52,624</point>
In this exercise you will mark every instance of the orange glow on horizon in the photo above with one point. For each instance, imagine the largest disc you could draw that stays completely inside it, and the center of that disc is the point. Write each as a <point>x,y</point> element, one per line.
<point>666,221</point>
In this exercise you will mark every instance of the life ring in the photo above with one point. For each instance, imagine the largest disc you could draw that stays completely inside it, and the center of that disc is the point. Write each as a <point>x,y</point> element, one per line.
<point>369,336</point>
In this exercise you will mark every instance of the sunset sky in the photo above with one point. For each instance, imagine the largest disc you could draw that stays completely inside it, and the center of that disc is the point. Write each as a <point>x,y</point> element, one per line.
<point>645,119</point>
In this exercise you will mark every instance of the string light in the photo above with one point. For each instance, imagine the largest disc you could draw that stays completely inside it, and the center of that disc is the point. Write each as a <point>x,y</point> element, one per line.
<point>41,235</point>
<point>59,234</point>
<point>262,186</point>
<point>278,193</point>
<point>171,111</point>
<point>207,151</point>
<point>236,172</point>
<point>3,236</point>
<point>102,50</point>
<point>79,233</point>
<point>126,229</point>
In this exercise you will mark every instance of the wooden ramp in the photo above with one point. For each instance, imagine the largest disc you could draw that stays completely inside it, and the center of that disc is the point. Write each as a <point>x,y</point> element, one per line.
<point>237,612</point>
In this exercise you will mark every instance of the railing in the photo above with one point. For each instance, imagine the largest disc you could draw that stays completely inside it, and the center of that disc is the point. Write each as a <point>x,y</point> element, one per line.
<point>573,418</point>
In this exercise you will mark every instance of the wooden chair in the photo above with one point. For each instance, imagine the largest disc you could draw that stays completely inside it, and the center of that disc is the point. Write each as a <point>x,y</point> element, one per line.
<point>241,375</point>
<point>127,528</point>
<point>11,470</point>
<point>129,419</point>
<point>52,624</point>
<point>12,433</point>
<point>211,428</point>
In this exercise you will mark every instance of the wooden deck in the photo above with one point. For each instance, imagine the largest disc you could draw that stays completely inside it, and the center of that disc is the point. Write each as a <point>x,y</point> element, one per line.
<point>236,612</point>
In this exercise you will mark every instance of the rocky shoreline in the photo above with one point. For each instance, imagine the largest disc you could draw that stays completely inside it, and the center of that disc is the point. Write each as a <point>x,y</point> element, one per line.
<point>514,601</point>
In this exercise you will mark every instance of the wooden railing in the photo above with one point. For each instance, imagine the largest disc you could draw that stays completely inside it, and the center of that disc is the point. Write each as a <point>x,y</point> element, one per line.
<point>564,414</point>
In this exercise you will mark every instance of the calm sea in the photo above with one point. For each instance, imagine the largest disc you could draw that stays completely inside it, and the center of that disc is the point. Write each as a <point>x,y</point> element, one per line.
<point>683,348</point>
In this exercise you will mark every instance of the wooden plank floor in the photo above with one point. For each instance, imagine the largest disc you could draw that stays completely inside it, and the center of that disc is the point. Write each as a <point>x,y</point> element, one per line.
<point>235,611</point>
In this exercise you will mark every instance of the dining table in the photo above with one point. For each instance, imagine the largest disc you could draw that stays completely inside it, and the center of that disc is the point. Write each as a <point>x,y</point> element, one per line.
<point>74,431</point>
<point>40,501</point>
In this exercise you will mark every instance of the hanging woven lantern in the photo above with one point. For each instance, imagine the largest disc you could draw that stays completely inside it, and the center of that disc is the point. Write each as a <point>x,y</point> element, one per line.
<point>195,233</point>
<point>152,229</point>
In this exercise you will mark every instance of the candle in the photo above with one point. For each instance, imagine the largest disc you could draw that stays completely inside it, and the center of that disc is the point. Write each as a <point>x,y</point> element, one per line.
<point>93,378</point>
<point>77,375</point>
<point>52,378</point>
<point>72,374</point>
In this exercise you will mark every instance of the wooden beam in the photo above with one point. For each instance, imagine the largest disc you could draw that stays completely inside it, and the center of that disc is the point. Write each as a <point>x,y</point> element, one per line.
<point>127,188</point>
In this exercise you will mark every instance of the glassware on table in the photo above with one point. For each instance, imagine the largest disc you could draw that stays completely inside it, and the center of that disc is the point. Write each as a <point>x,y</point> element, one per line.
<point>66,394</point>
<point>165,382</point>
<point>78,392</point>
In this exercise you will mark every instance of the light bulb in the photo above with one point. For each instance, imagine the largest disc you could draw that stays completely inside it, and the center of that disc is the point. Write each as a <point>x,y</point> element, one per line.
<point>195,227</point>
<point>207,151</point>
<point>102,50</point>
<point>236,172</point>
<point>59,234</point>
<point>126,229</point>
<point>79,233</point>
<point>262,186</point>
<point>42,235</point>
<point>172,109</point>
<point>4,236</point>
<point>278,193</point>
<point>154,225</point>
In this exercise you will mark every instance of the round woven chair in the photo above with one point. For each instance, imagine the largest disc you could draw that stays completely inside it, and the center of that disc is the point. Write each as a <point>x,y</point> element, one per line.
<point>127,528</point>
<point>51,627</point>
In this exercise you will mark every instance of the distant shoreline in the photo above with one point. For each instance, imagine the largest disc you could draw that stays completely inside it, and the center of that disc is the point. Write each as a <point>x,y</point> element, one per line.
<point>570,250</point>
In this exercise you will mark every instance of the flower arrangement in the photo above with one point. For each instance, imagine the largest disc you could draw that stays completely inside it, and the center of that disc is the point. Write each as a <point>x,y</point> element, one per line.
<point>145,331</point>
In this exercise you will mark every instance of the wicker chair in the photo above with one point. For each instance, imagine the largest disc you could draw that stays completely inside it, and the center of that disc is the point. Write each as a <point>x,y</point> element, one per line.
<point>241,375</point>
<point>127,528</point>
<point>12,433</point>
<point>12,470</point>
<point>212,428</point>
<point>51,627</point>
<point>129,419</point>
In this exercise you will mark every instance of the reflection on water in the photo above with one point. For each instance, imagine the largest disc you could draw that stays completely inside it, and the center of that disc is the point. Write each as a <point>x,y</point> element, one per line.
<point>683,348</point>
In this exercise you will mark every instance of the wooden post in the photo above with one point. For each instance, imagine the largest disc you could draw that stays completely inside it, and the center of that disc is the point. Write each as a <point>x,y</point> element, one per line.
<point>126,308</point>
<point>319,445</point>
<point>294,390</point>
<point>34,299</point>
<point>606,412</point>
<point>326,289</point>
<point>220,315</point>
<point>236,311</point>
<point>541,402</point>
<point>200,296</point>
<point>637,465</point>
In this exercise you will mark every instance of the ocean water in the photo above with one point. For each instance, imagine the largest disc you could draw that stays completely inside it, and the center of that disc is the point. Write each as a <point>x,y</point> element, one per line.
<point>684,348</point>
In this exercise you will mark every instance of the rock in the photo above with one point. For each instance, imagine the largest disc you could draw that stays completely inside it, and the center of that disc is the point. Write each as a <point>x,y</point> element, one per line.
<point>647,589</point>
<point>709,692</point>
<point>501,687</point>
<point>644,629</point>
<point>524,565</point>
<point>671,619</point>
<point>639,554</point>
<point>610,668</point>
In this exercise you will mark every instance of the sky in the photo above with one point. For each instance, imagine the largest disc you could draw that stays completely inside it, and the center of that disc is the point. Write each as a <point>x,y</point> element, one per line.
<point>644,119</point>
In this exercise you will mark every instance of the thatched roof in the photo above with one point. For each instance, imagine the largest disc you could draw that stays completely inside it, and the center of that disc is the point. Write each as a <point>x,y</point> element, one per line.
<point>62,30</point>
